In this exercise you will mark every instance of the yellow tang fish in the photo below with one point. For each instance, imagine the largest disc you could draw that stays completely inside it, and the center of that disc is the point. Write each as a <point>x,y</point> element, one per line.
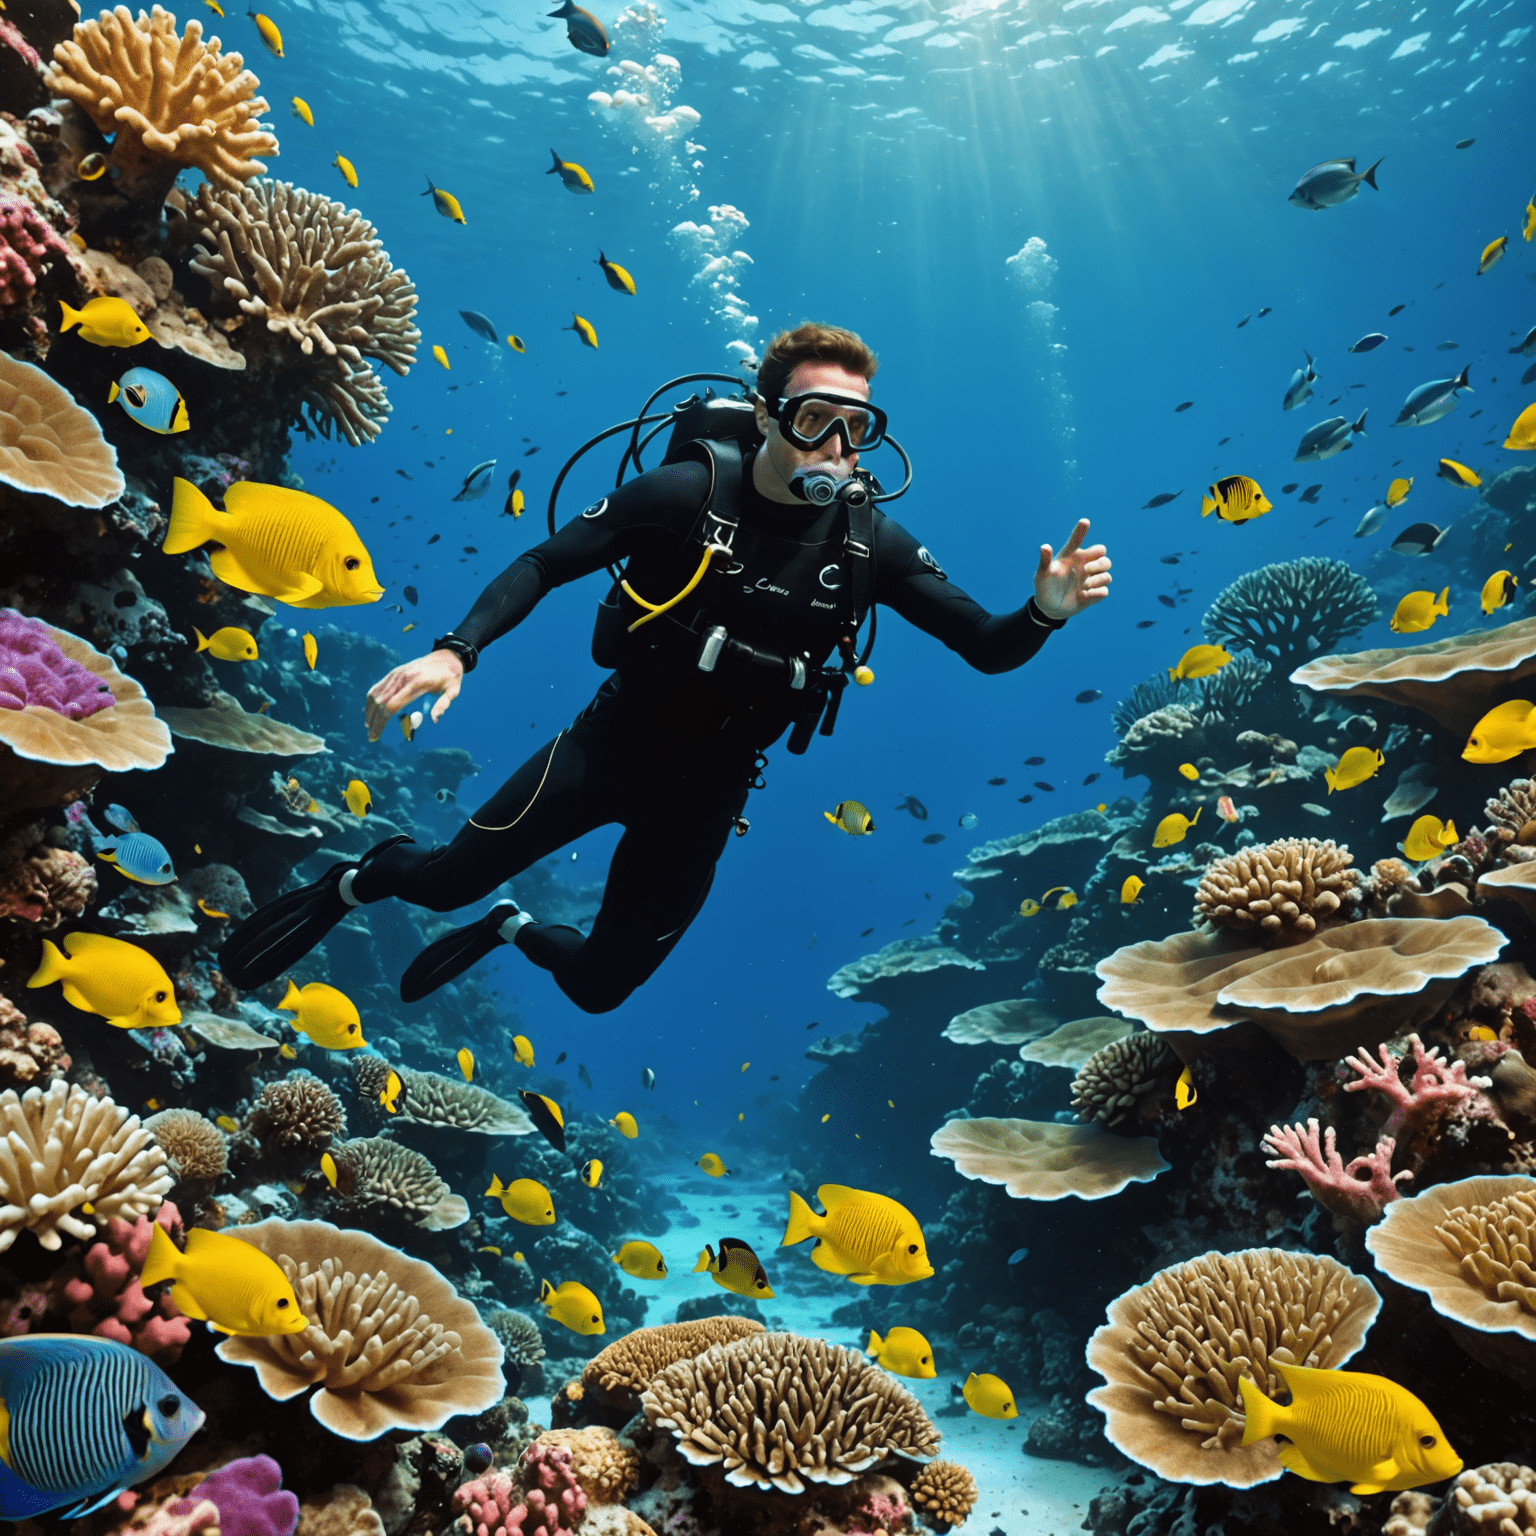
<point>583,328</point>
<point>1458,474</point>
<point>105,323</point>
<point>1522,436</point>
<point>713,1166</point>
<point>302,111</point>
<point>287,1052</point>
<point>1236,499</point>
<point>1491,253</point>
<point>1356,766</point>
<point>1418,611</point>
<point>227,644</point>
<point>618,277</point>
<point>277,543</point>
<point>223,1281</point>
<point>1130,891</point>
<point>92,167</point>
<point>445,203</point>
<point>269,33</point>
<point>1200,661</point>
<point>1184,1091</point>
<point>591,1172</point>
<point>870,1238</point>
<point>329,1017</point>
<point>1189,771</point>
<point>903,1352</point>
<point>1428,838</point>
<point>1529,229</point>
<point>389,1094</point>
<point>1350,1427</point>
<point>517,1258</point>
<point>524,1200</point>
<point>328,1168</point>
<point>126,985</point>
<point>516,343</point>
<point>547,1116</point>
<point>737,1269</point>
<point>624,1123</point>
<point>573,1306</point>
<point>1397,492</point>
<point>1173,828</point>
<point>227,1123</point>
<point>466,1060</point>
<point>207,911</point>
<point>572,177</point>
<point>347,169</point>
<point>990,1396</point>
<point>311,650</point>
<point>852,818</point>
<point>154,1105</point>
<point>522,1050</point>
<point>1503,733</point>
<point>441,356</point>
<point>359,801</point>
<point>490,1248</point>
<point>641,1259</point>
<point>1498,590</point>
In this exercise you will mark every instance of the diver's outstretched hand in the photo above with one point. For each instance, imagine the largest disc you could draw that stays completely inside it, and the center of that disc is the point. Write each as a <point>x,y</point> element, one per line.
<point>441,673</point>
<point>1075,579</point>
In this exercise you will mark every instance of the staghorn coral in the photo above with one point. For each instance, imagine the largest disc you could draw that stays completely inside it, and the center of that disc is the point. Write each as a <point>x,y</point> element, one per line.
<point>172,102</point>
<point>1291,609</point>
<point>1158,742</point>
<point>945,1492</point>
<point>195,1146</point>
<point>28,1051</point>
<point>1498,1499</point>
<point>321,295</point>
<point>1041,1160</point>
<point>443,1101</point>
<point>628,1365</point>
<point>29,244</point>
<point>605,1469</point>
<point>1114,1084</point>
<point>1436,1087</point>
<point>1173,1350</point>
<point>520,1338</point>
<point>61,1148</point>
<point>1283,889</point>
<point>374,1174</point>
<point>298,1111</point>
<point>778,1410</point>
<point>390,1344</point>
<point>49,446</point>
<point>1338,1187</point>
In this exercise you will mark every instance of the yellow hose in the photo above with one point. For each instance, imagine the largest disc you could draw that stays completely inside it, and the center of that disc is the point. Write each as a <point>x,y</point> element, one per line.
<point>656,609</point>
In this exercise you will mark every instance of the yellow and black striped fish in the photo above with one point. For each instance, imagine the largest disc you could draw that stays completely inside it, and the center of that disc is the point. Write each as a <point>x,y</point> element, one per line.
<point>852,817</point>
<point>737,1268</point>
<point>1236,499</point>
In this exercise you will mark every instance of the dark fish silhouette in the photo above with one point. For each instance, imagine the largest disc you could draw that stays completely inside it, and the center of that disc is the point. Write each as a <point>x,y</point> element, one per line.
<point>1093,778</point>
<point>1465,143</point>
<point>583,1074</point>
<point>479,325</point>
<point>1285,490</point>
<point>1033,762</point>
<point>1049,789</point>
<point>1396,309</point>
<point>1167,559</point>
<point>1146,623</point>
<point>1165,600</point>
<point>912,804</point>
<point>1369,343</point>
<point>1244,321</point>
<point>1268,309</point>
<point>435,537</point>
<point>1309,496</point>
<point>411,595</point>
<point>1184,407</point>
<point>934,837</point>
<point>1089,696</point>
<point>1025,799</point>
<point>582,28</point>
<point>996,782</point>
<point>1162,499</point>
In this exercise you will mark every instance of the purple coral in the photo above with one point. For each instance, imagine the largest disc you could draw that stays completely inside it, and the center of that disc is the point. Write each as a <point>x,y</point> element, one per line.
<point>1435,1087</point>
<point>250,1497</point>
<point>33,670</point>
<point>1360,1190</point>
<point>27,244</point>
<point>551,1508</point>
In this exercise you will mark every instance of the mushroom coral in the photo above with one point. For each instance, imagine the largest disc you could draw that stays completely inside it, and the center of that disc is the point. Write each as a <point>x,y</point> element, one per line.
<point>62,1149</point>
<point>1468,1246</point>
<point>322,297</point>
<point>1342,989</point>
<point>374,1174</point>
<point>1280,891</point>
<point>1010,1022</point>
<point>49,446</point>
<point>1290,609</point>
<point>1041,1160</point>
<point>1173,1350</point>
<point>627,1366</point>
<point>225,722</point>
<point>390,1344</point>
<point>780,1410</point>
<point>1456,681</point>
<point>169,102</point>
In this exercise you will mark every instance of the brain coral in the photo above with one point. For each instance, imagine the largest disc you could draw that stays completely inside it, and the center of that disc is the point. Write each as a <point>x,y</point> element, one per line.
<point>1281,890</point>
<point>778,1410</point>
<point>390,1344</point>
<point>1115,1083</point>
<point>627,1366</point>
<point>195,1146</point>
<point>298,1111</point>
<point>519,1335</point>
<point>375,1174</point>
<point>60,1149</point>
<point>1291,610</point>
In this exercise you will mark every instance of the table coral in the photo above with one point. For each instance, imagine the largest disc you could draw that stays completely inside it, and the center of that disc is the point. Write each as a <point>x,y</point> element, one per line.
<point>431,1099</point>
<point>1043,1160</point>
<point>1361,1190</point>
<point>1436,1088</point>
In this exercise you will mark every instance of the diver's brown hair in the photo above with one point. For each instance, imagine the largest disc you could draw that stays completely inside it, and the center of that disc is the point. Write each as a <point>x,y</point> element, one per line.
<point>810,343</point>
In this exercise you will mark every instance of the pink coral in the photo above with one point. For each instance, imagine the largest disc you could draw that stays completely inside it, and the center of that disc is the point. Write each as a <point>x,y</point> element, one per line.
<point>28,244</point>
<point>42,885</point>
<point>34,672</point>
<point>1435,1088</point>
<point>104,1296</point>
<point>551,1508</point>
<point>1360,1190</point>
<point>29,1053</point>
<point>23,1314</point>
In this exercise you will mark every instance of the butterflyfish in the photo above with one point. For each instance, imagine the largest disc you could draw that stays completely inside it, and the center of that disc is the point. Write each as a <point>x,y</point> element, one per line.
<point>126,985</point>
<point>228,643</point>
<point>584,329</point>
<point>1459,474</point>
<point>868,1237</point>
<point>737,1268</point>
<point>445,203</point>
<point>466,1060</point>
<point>522,1050</point>
<point>311,650</point>
<point>1173,828</point>
<point>517,343</point>
<point>1200,661</point>
<point>328,1016</point>
<point>1131,889</point>
<point>524,1200</point>
<point>225,1282</point>
<point>573,1306</point>
<point>1356,766</point>
<point>641,1259</point>
<point>347,169</point>
<point>389,1094</point>
<point>1029,907</point>
<point>301,110</point>
<point>1236,499</point>
<point>712,1164</point>
<point>359,801</point>
<point>852,817</point>
<point>618,277</point>
<point>990,1396</point>
<point>903,1352</point>
<point>624,1124</point>
<point>571,175</point>
<point>1504,732</point>
<point>287,1052</point>
<point>1498,590</point>
<point>1184,1091</point>
<point>1397,492</point>
<point>269,33</point>
<point>1418,611</point>
<point>1491,253</point>
<point>1522,435</point>
<point>591,1172</point>
<point>547,1117</point>
<point>152,400</point>
<point>105,323</point>
<point>1428,838</point>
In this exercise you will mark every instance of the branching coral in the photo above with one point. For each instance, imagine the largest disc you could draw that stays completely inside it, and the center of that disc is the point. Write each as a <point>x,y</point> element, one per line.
<point>61,1149</point>
<point>629,1364</point>
<point>520,1338</point>
<point>298,1112</point>
<point>28,245</point>
<point>1115,1083</point>
<point>778,1410</point>
<point>1498,1499</point>
<point>317,284</point>
<point>195,1146</point>
<point>1282,890</point>
<point>945,1492</point>
<point>1436,1086</point>
<point>1146,698</point>
<point>1512,814</point>
<point>375,1174</point>
<point>1360,1190</point>
<point>1173,1350</point>
<point>444,1101</point>
<point>1235,686</point>
<point>171,101</point>
<point>552,1506</point>
<point>1290,610</point>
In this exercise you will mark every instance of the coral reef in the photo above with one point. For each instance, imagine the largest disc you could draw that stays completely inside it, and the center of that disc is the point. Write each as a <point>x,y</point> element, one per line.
<point>1361,1189</point>
<point>1282,889</point>
<point>1115,1085</point>
<point>373,1174</point>
<point>195,1148</point>
<point>1042,1160</point>
<point>552,1502</point>
<point>431,1099</point>
<point>298,1113</point>
<point>30,1054</point>
<point>625,1368</point>
<point>1290,610</point>
<point>945,1492</point>
<point>605,1469</point>
<point>1498,1499</point>
<point>521,1341</point>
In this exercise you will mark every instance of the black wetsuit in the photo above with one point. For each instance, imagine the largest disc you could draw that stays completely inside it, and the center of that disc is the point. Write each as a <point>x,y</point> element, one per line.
<point>666,750</point>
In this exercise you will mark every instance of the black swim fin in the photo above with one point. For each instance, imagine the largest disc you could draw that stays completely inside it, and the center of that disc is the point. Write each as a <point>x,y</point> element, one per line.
<point>274,938</point>
<point>453,954</point>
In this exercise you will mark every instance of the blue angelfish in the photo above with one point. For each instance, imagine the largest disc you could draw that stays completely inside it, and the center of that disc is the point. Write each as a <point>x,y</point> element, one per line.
<point>152,400</point>
<point>134,852</point>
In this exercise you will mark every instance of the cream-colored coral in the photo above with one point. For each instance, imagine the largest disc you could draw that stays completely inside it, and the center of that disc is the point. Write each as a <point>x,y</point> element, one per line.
<point>390,1344</point>
<point>1173,1350</point>
<point>604,1467</point>
<point>345,1511</point>
<point>443,1101</point>
<point>945,1492</point>
<point>1042,1160</point>
<point>225,722</point>
<point>61,1149</point>
<point>195,1146</point>
<point>1158,740</point>
<point>519,1335</point>
<point>1498,1499</point>
<point>1115,1083</point>
<point>298,1111</point>
<point>1282,890</point>
<point>49,446</point>
<point>373,1174</point>
<point>1512,814</point>
<point>629,1364</point>
<point>779,1410</point>
<point>166,97</point>
<point>315,275</point>
<point>1076,1042</point>
<point>1010,1022</point>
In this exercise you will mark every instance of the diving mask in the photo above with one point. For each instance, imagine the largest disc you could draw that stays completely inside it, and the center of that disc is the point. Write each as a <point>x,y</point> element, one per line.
<point>808,420</point>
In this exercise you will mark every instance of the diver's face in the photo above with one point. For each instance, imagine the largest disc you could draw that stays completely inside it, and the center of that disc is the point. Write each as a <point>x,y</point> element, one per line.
<point>835,456</point>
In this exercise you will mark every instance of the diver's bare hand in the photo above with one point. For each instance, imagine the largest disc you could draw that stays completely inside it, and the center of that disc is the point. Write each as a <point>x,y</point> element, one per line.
<point>441,673</point>
<point>1076,579</point>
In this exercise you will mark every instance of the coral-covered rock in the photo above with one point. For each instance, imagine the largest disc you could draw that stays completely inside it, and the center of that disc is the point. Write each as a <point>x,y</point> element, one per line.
<point>31,1055</point>
<point>42,885</point>
<point>28,243</point>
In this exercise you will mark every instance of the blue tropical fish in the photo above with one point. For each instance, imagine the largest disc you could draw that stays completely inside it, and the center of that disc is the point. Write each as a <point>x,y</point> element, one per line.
<point>81,1419</point>
<point>152,400</point>
<point>134,853</point>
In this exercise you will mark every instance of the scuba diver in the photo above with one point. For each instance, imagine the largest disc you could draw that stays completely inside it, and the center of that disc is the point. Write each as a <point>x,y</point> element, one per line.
<point>752,555</point>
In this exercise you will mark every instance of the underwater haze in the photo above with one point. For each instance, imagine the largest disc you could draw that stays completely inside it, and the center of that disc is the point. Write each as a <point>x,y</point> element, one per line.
<point>1096,1087</point>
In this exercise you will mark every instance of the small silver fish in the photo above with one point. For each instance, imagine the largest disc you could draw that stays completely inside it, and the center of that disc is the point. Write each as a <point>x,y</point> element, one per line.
<point>1299,390</point>
<point>1373,521</point>
<point>477,482</point>
<point>1429,402</point>
<point>1328,438</point>
<point>1331,183</point>
<point>1315,810</point>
